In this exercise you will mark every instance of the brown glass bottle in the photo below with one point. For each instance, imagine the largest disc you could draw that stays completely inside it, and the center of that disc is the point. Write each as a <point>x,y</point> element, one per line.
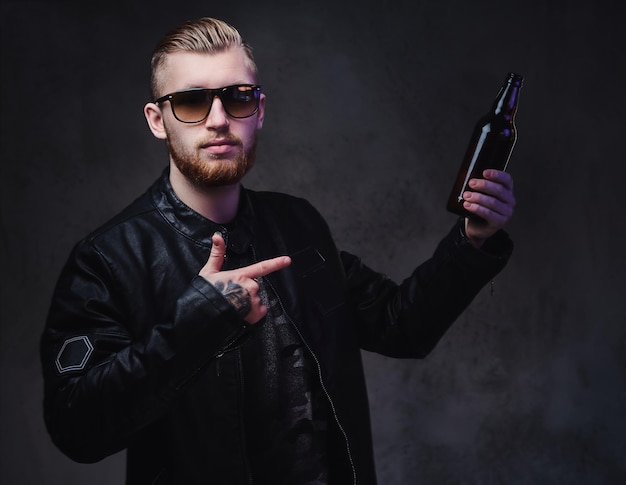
<point>491,143</point>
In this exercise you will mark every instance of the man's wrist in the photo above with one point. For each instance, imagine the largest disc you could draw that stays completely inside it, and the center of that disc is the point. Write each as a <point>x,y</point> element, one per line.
<point>474,241</point>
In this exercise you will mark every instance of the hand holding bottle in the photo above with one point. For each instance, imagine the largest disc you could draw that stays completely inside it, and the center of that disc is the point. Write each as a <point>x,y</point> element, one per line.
<point>491,198</point>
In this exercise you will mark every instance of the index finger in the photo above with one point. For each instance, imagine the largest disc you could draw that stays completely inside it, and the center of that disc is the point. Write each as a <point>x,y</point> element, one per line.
<point>266,267</point>
<point>499,176</point>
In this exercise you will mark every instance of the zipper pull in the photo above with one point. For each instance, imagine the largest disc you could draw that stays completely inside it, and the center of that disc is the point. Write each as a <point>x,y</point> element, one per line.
<point>217,363</point>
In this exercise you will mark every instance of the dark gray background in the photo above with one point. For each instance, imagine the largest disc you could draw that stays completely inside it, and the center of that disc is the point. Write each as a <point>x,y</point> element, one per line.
<point>370,105</point>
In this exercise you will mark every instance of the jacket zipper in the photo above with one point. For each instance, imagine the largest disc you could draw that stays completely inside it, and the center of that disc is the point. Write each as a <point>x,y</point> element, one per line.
<point>319,373</point>
<point>216,356</point>
<point>241,387</point>
<point>244,446</point>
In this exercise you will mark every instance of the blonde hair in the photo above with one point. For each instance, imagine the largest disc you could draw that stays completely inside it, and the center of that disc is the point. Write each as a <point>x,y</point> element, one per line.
<point>206,36</point>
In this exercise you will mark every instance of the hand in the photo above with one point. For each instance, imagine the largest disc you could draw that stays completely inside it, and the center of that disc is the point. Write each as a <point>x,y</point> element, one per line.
<point>239,286</point>
<point>493,201</point>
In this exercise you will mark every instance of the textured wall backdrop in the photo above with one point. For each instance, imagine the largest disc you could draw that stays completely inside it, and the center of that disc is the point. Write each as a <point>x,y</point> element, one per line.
<point>370,105</point>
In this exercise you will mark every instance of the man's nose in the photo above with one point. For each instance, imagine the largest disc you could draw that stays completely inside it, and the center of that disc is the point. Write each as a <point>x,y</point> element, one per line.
<point>217,117</point>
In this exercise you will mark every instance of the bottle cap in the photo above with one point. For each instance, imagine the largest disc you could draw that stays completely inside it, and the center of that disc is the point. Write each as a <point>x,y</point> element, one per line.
<point>515,79</point>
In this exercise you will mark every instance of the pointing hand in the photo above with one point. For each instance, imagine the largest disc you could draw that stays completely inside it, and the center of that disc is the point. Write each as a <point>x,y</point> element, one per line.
<point>239,286</point>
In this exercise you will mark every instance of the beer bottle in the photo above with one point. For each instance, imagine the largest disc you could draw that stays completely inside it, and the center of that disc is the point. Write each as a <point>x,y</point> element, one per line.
<point>491,143</point>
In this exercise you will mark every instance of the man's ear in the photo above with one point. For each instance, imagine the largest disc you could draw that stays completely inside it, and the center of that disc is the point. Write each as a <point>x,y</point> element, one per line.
<point>154,117</point>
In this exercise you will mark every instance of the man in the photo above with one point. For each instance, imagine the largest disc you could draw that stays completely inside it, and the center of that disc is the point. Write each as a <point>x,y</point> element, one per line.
<point>215,332</point>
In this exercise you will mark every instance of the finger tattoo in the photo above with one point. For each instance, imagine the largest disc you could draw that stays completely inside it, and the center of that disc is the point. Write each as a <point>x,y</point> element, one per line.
<point>237,296</point>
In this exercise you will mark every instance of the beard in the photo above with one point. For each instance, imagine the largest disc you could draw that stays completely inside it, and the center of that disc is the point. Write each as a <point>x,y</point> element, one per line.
<point>216,170</point>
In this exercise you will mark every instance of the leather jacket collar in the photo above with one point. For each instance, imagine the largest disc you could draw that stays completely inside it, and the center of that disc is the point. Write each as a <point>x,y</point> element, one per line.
<point>237,235</point>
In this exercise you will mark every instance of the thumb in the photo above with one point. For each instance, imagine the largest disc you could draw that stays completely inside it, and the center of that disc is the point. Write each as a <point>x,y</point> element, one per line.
<point>216,258</point>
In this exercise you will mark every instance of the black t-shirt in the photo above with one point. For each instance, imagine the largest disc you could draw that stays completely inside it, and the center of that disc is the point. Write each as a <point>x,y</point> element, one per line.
<point>285,412</point>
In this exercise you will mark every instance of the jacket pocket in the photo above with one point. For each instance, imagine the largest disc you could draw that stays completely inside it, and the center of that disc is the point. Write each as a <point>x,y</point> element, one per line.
<point>319,284</point>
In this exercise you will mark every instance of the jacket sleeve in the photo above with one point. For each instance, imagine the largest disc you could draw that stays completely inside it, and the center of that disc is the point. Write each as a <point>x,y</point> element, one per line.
<point>407,320</point>
<point>102,383</point>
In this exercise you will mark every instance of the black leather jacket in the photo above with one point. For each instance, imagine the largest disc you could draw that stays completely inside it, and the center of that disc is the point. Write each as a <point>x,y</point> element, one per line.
<point>141,353</point>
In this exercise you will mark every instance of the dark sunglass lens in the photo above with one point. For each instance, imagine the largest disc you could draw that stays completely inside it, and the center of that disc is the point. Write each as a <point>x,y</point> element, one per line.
<point>240,101</point>
<point>191,106</point>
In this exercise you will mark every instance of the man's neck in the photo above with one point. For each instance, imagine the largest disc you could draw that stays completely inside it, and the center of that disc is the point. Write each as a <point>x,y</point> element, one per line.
<point>218,204</point>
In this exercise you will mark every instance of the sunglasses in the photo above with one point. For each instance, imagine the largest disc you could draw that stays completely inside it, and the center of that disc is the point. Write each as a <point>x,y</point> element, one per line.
<point>193,105</point>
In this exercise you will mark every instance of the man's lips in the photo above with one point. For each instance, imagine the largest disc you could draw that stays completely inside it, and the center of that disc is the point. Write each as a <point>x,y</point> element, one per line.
<point>219,146</point>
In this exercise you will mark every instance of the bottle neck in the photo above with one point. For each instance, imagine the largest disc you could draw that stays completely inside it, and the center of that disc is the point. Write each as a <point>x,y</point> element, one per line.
<point>505,104</point>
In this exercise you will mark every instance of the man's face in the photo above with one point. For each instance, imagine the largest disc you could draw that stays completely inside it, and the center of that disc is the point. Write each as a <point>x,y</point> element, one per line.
<point>219,150</point>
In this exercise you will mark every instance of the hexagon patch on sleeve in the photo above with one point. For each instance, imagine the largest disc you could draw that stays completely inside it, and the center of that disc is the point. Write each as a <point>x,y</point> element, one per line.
<point>74,354</point>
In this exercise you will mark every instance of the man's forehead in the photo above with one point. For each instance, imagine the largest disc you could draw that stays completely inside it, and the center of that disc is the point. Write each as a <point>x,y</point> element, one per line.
<point>211,70</point>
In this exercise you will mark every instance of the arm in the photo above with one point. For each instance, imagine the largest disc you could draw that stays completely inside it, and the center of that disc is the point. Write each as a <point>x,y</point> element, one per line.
<point>94,404</point>
<point>105,379</point>
<point>408,320</point>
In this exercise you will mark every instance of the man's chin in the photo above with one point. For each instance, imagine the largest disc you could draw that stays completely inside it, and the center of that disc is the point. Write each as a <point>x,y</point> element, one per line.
<point>212,180</point>
<point>213,177</point>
